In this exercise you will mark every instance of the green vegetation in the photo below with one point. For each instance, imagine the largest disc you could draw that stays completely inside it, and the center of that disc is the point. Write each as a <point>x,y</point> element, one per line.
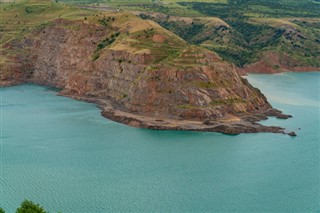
<point>107,41</point>
<point>165,51</point>
<point>250,28</point>
<point>127,31</point>
<point>30,207</point>
<point>18,18</point>
<point>258,26</point>
<point>105,21</point>
<point>242,32</point>
<point>185,31</point>
<point>171,7</point>
<point>257,8</point>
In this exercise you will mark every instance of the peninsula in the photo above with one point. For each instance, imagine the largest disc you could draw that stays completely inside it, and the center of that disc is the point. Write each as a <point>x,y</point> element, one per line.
<point>136,71</point>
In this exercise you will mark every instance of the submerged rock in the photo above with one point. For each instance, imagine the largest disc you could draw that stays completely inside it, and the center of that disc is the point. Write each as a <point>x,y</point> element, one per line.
<point>293,134</point>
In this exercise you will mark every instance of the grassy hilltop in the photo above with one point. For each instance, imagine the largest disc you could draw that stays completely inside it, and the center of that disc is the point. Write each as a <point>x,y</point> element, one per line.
<point>20,19</point>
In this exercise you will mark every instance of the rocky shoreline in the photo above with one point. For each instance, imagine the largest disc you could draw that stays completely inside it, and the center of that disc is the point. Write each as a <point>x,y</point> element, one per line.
<point>226,127</point>
<point>233,125</point>
<point>147,78</point>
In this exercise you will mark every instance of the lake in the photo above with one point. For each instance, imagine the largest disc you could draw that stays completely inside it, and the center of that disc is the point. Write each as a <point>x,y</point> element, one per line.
<point>63,154</point>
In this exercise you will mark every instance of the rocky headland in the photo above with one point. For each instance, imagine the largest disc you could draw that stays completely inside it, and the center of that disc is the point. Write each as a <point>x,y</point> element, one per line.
<point>139,74</point>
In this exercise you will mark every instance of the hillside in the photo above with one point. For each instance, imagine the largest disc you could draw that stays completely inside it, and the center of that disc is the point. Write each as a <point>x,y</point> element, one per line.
<point>270,36</point>
<point>250,36</point>
<point>256,35</point>
<point>137,72</point>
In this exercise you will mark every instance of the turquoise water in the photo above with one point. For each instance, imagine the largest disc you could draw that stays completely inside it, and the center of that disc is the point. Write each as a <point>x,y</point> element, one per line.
<point>62,154</point>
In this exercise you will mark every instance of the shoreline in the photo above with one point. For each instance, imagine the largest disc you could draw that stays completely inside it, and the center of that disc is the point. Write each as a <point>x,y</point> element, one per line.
<point>234,125</point>
<point>229,125</point>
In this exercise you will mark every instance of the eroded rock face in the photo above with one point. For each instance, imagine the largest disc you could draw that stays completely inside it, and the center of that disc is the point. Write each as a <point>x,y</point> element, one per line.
<point>194,84</point>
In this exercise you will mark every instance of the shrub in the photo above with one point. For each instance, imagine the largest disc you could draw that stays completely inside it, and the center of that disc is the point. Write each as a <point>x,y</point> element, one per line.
<point>28,10</point>
<point>30,207</point>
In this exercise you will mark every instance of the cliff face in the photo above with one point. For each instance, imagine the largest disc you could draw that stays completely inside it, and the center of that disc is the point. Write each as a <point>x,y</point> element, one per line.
<point>195,84</point>
<point>139,68</point>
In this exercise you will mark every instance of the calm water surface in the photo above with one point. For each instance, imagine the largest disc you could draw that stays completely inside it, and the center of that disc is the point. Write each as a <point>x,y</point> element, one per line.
<point>62,154</point>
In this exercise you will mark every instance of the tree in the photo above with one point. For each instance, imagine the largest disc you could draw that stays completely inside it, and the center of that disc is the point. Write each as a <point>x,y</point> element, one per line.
<point>29,207</point>
<point>1,210</point>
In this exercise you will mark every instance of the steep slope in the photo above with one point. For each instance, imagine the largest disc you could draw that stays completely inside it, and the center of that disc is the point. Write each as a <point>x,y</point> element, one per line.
<point>210,32</point>
<point>138,73</point>
<point>288,45</point>
<point>257,36</point>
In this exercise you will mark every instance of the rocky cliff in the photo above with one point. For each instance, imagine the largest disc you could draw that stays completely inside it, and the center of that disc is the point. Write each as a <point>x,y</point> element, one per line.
<point>139,74</point>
